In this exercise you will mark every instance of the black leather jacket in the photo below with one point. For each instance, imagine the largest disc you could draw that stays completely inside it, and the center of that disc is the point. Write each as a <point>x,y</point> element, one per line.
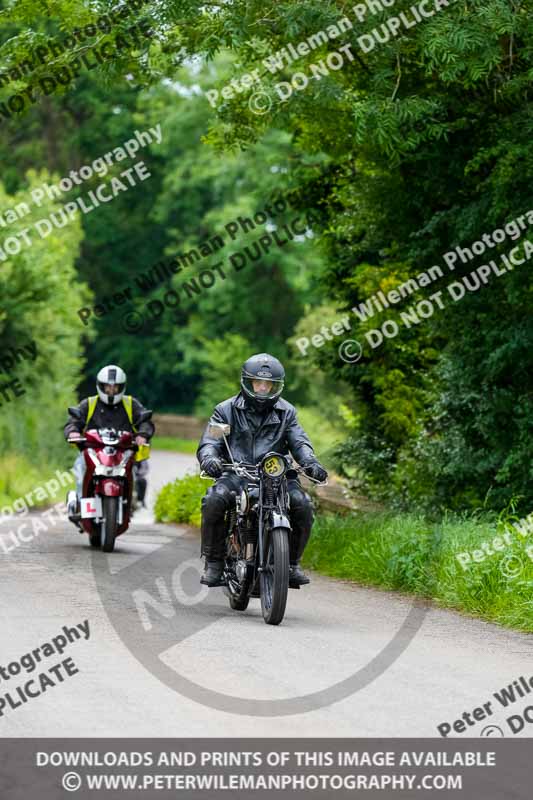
<point>280,431</point>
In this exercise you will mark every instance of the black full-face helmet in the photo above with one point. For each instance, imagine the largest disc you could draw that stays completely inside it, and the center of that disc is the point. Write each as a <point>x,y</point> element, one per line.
<point>262,380</point>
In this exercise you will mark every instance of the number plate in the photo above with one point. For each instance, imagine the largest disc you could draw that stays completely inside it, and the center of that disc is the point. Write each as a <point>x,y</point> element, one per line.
<point>91,507</point>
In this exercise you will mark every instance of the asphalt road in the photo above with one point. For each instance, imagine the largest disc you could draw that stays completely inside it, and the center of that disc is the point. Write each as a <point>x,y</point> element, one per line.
<point>166,658</point>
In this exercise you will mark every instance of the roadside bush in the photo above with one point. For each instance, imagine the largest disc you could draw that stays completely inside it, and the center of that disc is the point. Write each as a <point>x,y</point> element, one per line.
<point>180,501</point>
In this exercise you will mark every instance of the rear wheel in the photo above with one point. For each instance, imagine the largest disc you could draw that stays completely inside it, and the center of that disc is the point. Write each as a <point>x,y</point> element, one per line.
<point>274,579</point>
<point>109,523</point>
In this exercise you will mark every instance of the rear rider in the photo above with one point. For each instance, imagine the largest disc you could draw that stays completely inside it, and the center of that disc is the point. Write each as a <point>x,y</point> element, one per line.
<point>110,408</point>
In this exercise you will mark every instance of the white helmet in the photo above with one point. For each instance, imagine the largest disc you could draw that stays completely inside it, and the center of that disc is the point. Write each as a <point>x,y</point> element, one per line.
<point>111,375</point>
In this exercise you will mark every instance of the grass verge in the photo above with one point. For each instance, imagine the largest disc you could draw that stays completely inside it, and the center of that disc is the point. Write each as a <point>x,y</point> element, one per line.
<point>408,553</point>
<point>19,477</point>
<point>175,444</point>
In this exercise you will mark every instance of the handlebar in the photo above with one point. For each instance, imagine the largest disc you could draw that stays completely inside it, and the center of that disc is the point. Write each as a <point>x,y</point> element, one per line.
<point>83,440</point>
<point>252,471</point>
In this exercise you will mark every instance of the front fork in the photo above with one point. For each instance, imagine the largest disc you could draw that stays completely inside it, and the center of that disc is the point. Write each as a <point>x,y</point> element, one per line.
<point>276,520</point>
<point>110,487</point>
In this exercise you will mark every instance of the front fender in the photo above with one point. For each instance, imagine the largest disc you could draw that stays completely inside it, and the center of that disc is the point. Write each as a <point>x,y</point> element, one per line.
<point>279,520</point>
<point>110,488</point>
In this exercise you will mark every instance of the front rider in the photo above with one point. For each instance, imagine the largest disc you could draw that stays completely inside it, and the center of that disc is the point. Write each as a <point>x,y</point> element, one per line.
<point>110,408</point>
<point>260,422</point>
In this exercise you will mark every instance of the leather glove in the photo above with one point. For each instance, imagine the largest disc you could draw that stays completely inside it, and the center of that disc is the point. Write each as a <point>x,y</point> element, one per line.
<point>315,470</point>
<point>212,466</point>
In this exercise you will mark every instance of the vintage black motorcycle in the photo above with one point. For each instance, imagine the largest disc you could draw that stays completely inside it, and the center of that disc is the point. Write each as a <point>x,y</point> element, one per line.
<point>258,530</point>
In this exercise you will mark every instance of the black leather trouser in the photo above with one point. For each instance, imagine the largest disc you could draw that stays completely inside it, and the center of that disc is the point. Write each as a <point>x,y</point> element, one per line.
<point>221,497</point>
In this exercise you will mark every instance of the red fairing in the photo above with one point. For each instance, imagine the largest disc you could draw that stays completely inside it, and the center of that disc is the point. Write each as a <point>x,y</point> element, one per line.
<point>109,488</point>
<point>126,440</point>
<point>110,460</point>
<point>93,437</point>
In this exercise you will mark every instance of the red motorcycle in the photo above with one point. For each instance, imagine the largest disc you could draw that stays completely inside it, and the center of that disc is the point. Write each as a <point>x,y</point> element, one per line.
<point>106,505</point>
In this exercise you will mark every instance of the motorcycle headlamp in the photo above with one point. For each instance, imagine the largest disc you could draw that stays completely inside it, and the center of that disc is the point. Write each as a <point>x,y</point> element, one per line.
<point>274,466</point>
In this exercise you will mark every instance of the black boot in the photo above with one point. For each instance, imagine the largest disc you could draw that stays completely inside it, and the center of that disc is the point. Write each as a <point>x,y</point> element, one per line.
<point>213,573</point>
<point>297,576</point>
<point>213,538</point>
<point>301,513</point>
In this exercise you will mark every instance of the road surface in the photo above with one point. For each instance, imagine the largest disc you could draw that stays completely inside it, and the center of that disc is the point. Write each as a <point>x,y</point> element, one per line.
<point>332,631</point>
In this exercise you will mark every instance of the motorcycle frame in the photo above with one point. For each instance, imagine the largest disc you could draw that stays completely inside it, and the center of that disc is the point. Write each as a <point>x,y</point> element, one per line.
<point>273,516</point>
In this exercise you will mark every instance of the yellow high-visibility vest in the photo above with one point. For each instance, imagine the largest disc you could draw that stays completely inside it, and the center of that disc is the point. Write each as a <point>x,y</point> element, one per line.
<point>127,401</point>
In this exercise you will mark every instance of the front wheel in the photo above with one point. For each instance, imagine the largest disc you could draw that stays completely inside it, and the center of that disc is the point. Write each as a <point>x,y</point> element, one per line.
<point>274,579</point>
<point>109,523</point>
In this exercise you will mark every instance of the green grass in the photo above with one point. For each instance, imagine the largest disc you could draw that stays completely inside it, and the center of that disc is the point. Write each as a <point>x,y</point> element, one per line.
<point>19,476</point>
<point>175,444</point>
<point>406,552</point>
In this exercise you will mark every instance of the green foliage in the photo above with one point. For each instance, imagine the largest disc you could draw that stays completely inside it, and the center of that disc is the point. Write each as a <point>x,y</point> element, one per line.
<point>437,126</point>
<point>180,500</point>
<point>222,359</point>
<point>325,432</point>
<point>421,144</point>
<point>36,290</point>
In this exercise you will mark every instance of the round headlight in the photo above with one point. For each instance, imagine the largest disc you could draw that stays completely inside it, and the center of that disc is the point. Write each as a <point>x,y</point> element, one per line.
<point>274,466</point>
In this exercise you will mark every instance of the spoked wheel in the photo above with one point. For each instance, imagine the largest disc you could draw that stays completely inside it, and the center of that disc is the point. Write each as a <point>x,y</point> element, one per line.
<point>109,523</point>
<point>274,579</point>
